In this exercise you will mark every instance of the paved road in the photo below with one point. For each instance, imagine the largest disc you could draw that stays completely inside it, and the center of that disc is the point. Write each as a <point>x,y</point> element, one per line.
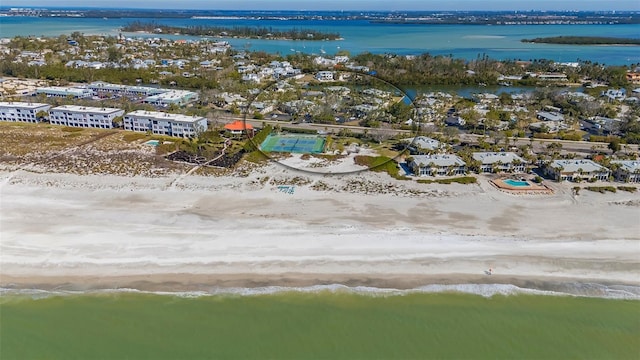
<point>538,144</point>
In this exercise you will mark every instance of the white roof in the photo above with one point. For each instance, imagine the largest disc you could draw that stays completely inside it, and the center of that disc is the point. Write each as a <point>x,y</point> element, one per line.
<point>65,90</point>
<point>158,115</point>
<point>628,165</point>
<point>22,105</point>
<point>440,160</point>
<point>85,109</point>
<point>172,95</point>
<point>494,157</point>
<point>424,142</point>
<point>573,165</point>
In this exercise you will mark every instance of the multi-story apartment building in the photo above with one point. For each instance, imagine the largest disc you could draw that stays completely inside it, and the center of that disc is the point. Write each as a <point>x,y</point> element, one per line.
<point>21,111</point>
<point>84,116</point>
<point>65,92</point>
<point>162,123</point>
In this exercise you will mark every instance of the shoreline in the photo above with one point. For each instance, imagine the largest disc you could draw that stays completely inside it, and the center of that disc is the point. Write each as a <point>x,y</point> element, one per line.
<point>363,284</point>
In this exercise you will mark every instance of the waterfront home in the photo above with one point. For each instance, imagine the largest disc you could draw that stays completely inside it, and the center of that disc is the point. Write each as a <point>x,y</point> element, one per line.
<point>615,94</point>
<point>324,75</point>
<point>494,162</point>
<point>576,170</point>
<point>21,111</point>
<point>552,77</point>
<point>84,116</point>
<point>162,123</point>
<point>627,170</point>
<point>437,165</point>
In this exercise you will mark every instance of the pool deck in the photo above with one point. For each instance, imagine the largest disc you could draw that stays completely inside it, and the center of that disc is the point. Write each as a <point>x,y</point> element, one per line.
<point>532,189</point>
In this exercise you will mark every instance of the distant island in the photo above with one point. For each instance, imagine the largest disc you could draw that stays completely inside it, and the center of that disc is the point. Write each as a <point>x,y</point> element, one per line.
<point>236,31</point>
<point>583,40</point>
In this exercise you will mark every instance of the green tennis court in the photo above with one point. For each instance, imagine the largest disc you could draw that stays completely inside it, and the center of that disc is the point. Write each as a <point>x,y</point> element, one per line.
<point>300,144</point>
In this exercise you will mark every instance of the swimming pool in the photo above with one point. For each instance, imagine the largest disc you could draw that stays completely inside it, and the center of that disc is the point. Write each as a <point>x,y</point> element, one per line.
<point>516,183</point>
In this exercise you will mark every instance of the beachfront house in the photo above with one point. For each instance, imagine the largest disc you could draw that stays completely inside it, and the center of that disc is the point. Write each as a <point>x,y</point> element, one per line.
<point>496,162</point>
<point>21,111</point>
<point>162,123</point>
<point>84,116</point>
<point>576,170</point>
<point>627,170</point>
<point>437,165</point>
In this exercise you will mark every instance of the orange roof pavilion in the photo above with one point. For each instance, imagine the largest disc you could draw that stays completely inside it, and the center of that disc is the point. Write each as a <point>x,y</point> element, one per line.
<point>238,125</point>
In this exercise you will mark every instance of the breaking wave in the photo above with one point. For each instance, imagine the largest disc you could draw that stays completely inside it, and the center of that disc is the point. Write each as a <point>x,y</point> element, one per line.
<point>485,290</point>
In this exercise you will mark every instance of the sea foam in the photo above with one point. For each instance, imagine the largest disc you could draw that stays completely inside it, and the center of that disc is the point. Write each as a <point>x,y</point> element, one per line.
<point>625,292</point>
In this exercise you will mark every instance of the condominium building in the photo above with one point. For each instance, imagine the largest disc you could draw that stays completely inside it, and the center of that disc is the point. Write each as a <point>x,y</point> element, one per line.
<point>65,92</point>
<point>491,162</point>
<point>577,170</point>
<point>101,87</point>
<point>440,164</point>
<point>21,111</point>
<point>84,116</point>
<point>162,123</point>
<point>178,97</point>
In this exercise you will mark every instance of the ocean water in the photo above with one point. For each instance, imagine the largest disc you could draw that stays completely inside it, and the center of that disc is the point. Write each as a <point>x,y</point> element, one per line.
<point>317,324</point>
<point>461,41</point>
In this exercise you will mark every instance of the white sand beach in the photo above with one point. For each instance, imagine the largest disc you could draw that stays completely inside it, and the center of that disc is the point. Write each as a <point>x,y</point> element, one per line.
<point>361,229</point>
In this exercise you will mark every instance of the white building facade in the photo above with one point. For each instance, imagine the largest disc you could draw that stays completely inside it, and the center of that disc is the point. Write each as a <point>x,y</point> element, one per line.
<point>162,123</point>
<point>577,170</point>
<point>627,170</point>
<point>84,116</point>
<point>21,111</point>
<point>438,165</point>
<point>495,162</point>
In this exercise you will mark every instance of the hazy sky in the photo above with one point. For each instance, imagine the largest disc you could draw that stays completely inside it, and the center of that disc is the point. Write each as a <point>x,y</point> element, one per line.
<point>343,4</point>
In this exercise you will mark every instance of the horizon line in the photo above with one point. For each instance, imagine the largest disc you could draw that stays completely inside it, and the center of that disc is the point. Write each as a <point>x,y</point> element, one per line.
<point>46,7</point>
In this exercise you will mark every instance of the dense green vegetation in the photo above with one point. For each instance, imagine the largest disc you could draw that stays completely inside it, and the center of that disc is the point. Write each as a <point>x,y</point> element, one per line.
<point>458,180</point>
<point>236,31</point>
<point>584,40</point>
<point>601,189</point>
<point>630,189</point>
<point>319,326</point>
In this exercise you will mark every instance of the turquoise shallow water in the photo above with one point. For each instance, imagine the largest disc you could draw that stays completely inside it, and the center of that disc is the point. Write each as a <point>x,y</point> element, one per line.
<point>463,41</point>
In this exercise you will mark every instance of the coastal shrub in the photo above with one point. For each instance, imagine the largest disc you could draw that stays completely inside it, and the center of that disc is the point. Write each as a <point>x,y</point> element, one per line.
<point>256,157</point>
<point>71,129</point>
<point>133,136</point>
<point>631,189</point>
<point>538,179</point>
<point>604,139</point>
<point>300,130</point>
<point>252,144</point>
<point>601,189</point>
<point>576,190</point>
<point>459,180</point>
<point>380,164</point>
